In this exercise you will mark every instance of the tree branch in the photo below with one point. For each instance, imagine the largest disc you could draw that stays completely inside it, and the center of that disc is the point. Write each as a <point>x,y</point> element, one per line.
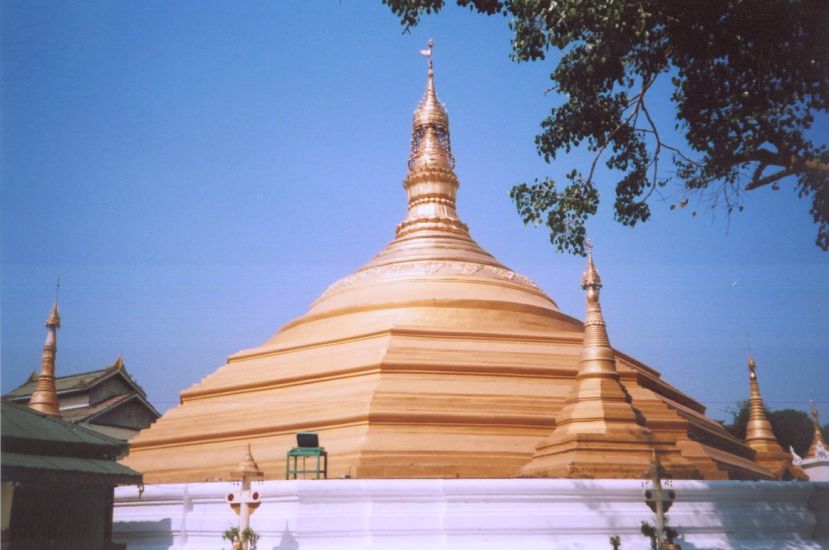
<point>755,183</point>
<point>638,102</point>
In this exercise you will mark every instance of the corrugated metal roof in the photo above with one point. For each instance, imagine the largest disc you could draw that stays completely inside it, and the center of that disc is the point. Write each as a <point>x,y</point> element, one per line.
<point>82,414</point>
<point>70,464</point>
<point>37,446</point>
<point>77,382</point>
<point>124,434</point>
<point>78,414</point>
<point>21,422</point>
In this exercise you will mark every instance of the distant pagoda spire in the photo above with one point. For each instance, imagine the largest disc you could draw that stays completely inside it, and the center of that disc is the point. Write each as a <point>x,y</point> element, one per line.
<point>758,428</point>
<point>817,438</point>
<point>598,433</point>
<point>760,436</point>
<point>45,396</point>
<point>431,182</point>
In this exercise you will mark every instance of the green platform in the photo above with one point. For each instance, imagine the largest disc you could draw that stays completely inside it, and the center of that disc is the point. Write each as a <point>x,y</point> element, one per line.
<point>307,447</point>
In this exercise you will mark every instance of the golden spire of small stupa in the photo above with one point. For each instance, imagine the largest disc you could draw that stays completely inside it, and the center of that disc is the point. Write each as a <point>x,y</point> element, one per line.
<point>760,437</point>
<point>45,396</point>
<point>596,355</point>
<point>598,433</point>
<point>431,183</point>
<point>817,438</point>
<point>758,427</point>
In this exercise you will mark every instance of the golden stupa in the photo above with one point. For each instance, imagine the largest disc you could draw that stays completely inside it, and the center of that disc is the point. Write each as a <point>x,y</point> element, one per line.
<point>760,436</point>
<point>432,360</point>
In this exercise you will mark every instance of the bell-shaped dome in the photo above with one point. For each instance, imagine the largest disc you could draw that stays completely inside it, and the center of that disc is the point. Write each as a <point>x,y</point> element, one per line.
<point>433,260</point>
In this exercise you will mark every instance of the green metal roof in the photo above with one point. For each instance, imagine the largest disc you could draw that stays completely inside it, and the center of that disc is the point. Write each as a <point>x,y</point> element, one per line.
<point>39,447</point>
<point>21,422</point>
<point>68,464</point>
<point>77,382</point>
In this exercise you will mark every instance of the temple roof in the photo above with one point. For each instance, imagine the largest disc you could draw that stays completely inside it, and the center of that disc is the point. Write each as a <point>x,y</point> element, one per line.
<point>78,382</point>
<point>37,446</point>
<point>92,412</point>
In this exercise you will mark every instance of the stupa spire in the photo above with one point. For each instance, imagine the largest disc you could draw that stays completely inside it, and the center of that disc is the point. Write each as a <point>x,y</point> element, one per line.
<point>760,437</point>
<point>431,182</point>
<point>45,396</point>
<point>817,438</point>
<point>758,427</point>
<point>430,129</point>
<point>597,357</point>
<point>598,433</point>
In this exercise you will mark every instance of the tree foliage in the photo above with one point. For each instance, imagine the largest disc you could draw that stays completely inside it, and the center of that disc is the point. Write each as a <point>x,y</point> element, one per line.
<point>748,77</point>
<point>791,427</point>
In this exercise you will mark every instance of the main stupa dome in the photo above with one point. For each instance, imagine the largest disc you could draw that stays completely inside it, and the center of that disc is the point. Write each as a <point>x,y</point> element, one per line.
<point>431,360</point>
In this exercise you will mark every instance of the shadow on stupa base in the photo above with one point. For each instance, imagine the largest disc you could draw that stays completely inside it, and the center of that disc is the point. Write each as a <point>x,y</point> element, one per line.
<point>477,513</point>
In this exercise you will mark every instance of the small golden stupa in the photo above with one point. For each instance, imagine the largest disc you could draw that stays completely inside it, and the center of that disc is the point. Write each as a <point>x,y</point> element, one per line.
<point>434,360</point>
<point>598,432</point>
<point>760,436</point>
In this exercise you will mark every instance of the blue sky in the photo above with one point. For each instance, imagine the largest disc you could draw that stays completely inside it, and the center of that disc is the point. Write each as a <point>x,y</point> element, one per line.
<point>198,173</point>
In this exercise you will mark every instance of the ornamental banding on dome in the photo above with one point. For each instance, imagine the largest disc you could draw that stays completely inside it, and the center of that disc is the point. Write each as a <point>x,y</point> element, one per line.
<point>426,268</point>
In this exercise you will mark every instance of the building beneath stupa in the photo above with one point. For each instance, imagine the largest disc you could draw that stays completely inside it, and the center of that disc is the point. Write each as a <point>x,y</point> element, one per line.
<point>434,360</point>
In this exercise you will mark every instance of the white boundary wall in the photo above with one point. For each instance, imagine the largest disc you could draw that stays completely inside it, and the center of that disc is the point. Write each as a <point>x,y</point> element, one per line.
<point>475,514</point>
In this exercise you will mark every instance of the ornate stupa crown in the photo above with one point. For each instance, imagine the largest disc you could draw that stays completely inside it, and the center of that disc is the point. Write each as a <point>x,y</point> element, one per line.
<point>431,182</point>
<point>590,279</point>
<point>431,146</point>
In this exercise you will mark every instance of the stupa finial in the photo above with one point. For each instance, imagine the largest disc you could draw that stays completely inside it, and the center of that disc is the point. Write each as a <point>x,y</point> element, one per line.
<point>431,182</point>
<point>45,396</point>
<point>427,53</point>
<point>591,279</point>
<point>54,314</point>
<point>430,133</point>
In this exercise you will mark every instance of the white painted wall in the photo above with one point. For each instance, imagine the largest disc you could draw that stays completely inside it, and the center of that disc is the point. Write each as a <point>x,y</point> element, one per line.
<point>476,514</point>
<point>817,470</point>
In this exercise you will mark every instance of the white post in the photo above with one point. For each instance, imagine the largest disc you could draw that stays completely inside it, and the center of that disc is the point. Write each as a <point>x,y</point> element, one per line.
<point>244,510</point>
<point>660,515</point>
